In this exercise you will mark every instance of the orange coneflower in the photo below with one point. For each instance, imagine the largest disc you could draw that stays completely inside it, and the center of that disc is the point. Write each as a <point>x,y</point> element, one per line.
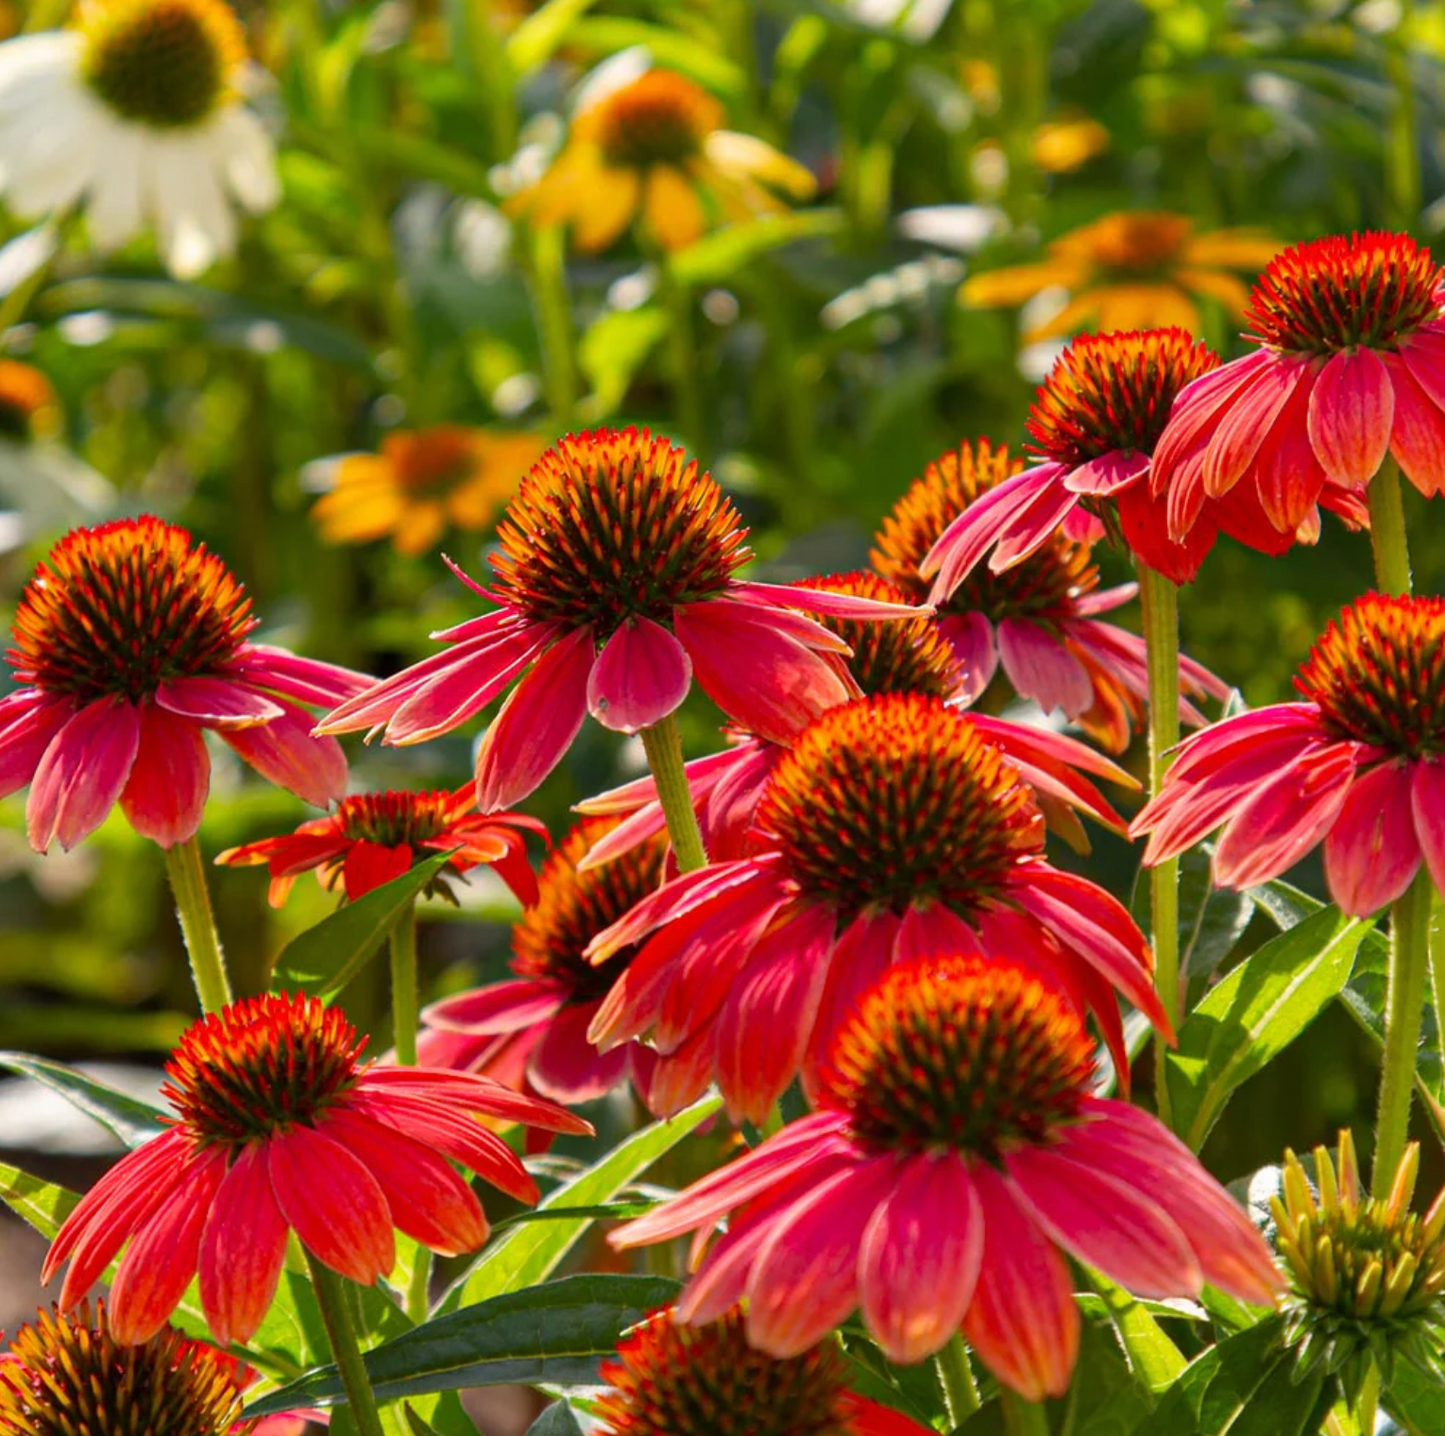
<point>1131,270</point>
<point>653,150</point>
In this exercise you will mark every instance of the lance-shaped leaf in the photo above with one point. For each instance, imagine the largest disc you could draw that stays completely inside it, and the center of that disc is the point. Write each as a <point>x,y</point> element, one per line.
<point>126,1118</point>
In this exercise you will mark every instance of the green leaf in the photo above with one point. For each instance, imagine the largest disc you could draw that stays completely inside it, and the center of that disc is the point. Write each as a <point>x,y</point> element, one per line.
<point>41,1204</point>
<point>529,1254</point>
<point>126,1118</point>
<point>613,350</point>
<point>914,1390</point>
<point>1254,1013</point>
<point>608,1211</point>
<point>720,256</point>
<point>536,39</point>
<point>1211,919</point>
<point>1153,1359</point>
<point>557,1333</point>
<point>1105,1397</point>
<point>557,1420</point>
<point>606,35</point>
<point>1415,1400</point>
<point>324,958</point>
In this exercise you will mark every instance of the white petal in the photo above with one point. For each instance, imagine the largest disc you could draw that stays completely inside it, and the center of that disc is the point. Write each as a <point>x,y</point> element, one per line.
<point>117,204</point>
<point>33,62</point>
<point>194,222</point>
<point>250,163</point>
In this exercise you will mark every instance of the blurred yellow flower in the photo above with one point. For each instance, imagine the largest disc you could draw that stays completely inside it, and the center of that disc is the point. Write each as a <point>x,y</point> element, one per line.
<point>1063,145</point>
<point>1135,270</point>
<point>421,482</point>
<point>28,406</point>
<point>653,150</point>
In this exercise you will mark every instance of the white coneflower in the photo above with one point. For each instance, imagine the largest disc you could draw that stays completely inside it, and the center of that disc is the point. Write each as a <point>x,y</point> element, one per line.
<point>136,115</point>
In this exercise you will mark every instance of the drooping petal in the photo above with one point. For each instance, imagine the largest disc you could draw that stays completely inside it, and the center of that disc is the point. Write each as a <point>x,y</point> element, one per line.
<point>536,725</point>
<point>971,636</point>
<point>642,674</point>
<point>1041,668</point>
<point>333,1203</point>
<point>472,1092</point>
<point>242,1250</point>
<point>920,1258</point>
<point>822,600</point>
<point>566,1067</point>
<point>980,526</point>
<point>28,721</point>
<point>1107,474</point>
<point>284,752</point>
<point>502,1007</point>
<point>369,865</point>
<point>1246,420</point>
<point>1022,1321</point>
<point>165,794</point>
<point>1352,410</point>
<point>1417,435</point>
<point>216,703</point>
<point>1427,800</point>
<point>307,680</point>
<point>82,774</point>
<point>1288,475</point>
<point>1371,851</point>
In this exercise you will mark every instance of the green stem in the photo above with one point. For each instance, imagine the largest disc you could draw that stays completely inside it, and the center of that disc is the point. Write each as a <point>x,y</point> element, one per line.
<point>1161,638</point>
<point>1404,1004</point>
<point>186,870</point>
<point>404,987</point>
<point>1402,163</point>
<point>960,1391</point>
<point>682,357</point>
<point>1023,1418</point>
<point>664,756</point>
<point>547,270</point>
<point>1387,530</point>
<point>331,1297</point>
<point>418,1292</point>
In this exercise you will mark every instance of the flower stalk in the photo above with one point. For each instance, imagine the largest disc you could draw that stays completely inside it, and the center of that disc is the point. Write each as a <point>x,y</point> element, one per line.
<point>1024,1418</point>
<point>1161,637</point>
<point>960,1390</point>
<point>187,874</point>
<point>1387,530</point>
<point>404,1002</point>
<point>682,356</point>
<point>331,1297</point>
<point>547,271</point>
<point>663,746</point>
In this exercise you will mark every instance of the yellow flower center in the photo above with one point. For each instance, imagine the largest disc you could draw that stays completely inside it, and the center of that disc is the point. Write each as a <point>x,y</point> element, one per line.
<point>163,63</point>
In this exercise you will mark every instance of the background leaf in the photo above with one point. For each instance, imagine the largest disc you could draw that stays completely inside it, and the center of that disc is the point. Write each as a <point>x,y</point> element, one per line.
<point>126,1118</point>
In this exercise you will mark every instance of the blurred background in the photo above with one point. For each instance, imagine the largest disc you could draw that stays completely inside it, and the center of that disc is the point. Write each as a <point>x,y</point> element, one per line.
<point>815,358</point>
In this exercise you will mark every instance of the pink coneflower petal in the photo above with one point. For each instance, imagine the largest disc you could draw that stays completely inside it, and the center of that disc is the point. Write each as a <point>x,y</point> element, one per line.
<point>242,1251</point>
<point>216,703</point>
<point>965,541</point>
<point>502,1007</point>
<point>821,600</point>
<point>770,683</point>
<point>864,951</point>
<point>165,794</point>
<point>536,725</point>
<point>1105,600</point>
<point>28,722</point>
<point>161,1259</point>
<point>925,931</point>
<point>804,1280</point>
<point>82,774</point>
<point>1285,818</point>
<point>284,752</point>
<point>642,674</point>
<point>1108,473</point>
<point>1041,668</point>
<point>1371,851</point>
<point>307,680</point>
<point>333,1203</point>
<point>566,1067</point>
<point>972,638</point>
<point>1248,419</point>
<point>473,1093</point>
<point>1288,474</point>
<point>428,1200</point>
<point>1033,526</point>
<point>1194,411</point>
<point>1417,436</point>
<point>1023,1321</point>
<point>1105,1223</point>
<point>1427,802</point>
<point>1352,409</point>
<point>920,1257</point>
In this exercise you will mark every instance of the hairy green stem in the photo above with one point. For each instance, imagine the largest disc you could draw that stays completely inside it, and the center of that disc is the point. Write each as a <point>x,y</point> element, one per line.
<point>1387,530</point>
<point>1404,1005</point>
<point>960,1391</point>
<point>186,871</point>
<point>331,1297</point>
<point>1161,638</point>
<point>664,756</point>
<point>404,986</point>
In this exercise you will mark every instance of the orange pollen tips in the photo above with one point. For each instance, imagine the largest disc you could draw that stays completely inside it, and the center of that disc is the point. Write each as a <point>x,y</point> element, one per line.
<point>959,1051</point>
<point>261,1066</point>
<point>28,407</point>
<point>611,525</point>
<point>1377,674</point>
<point>432,462</point>
<point>895,801</point>
<point>122,608</point>
<point>660,118</point>
<point>573,907</point>
<point>1113,392</point>
<point>1330,294</point>
<point>166,64</point>
<point>909,656</point>
<point>1045,582</point>
<point>66,1375</point>
<point>396,818</point>
<point>674,1380</point>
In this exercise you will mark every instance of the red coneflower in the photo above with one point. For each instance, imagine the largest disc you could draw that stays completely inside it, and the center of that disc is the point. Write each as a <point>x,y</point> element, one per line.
<point>130,642</point>
<point>672,1379</point>
<point>1350,367</point>
<point>936,1185</point>
<point>891,827</point>
<point>909,656</point>
<point>281,1128</point>
<point>1038,618</point>
<point>1357,764</point>
<point>615,587</point>
<point>372,838</point>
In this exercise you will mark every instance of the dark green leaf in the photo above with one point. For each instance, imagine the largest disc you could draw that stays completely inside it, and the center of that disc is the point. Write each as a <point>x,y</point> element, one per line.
<point>1254,1013</point>
<point>324,958</point>
<point>127,1118</point>
<point>914,1390</point>
<point>1105,1397</point>
<point>1153,1359</point>
<point>556,1333</point>
<point>1415,1400</point>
